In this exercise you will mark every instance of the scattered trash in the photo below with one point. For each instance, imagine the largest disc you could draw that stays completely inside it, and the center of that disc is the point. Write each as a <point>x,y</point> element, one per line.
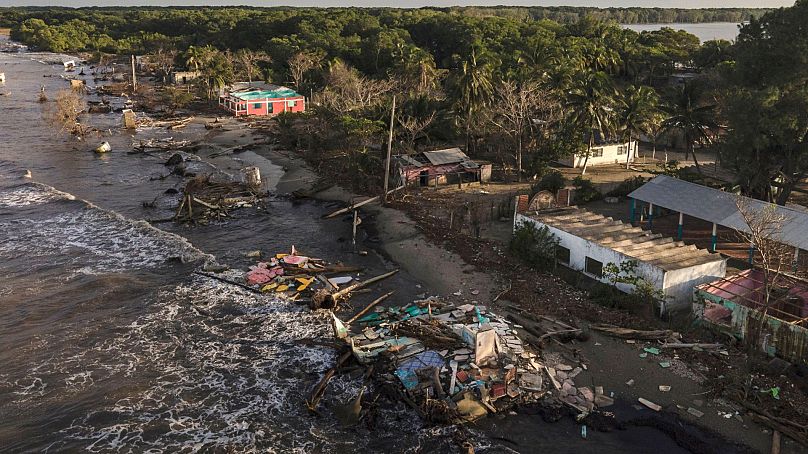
<point>665,364</point>
<point>664,388</point>
<point>643,355</point>
<point>583,431</point>
<point>630,382</point>
<point>651,350</point>
<point>775,392</point>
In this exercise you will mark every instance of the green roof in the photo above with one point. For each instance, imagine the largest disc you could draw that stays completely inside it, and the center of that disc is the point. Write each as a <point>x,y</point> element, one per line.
<point>280,92</point>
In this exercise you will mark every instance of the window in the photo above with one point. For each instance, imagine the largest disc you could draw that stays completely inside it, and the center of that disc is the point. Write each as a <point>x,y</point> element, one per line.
<point>563,255</point>
<point>597,152</point>
<point>270,107</point>
<point>257,105</point>
<point>593,267</point>
<point>621,149</point>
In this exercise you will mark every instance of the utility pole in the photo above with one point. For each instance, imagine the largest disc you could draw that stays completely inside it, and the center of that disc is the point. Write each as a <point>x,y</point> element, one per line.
<point>134,78</point>
<point>389,152</point>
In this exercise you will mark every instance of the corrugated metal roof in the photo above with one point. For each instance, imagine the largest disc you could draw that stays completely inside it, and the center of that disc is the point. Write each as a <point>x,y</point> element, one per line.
<point>719,207</point>
<point>246,91</point>
<point>447,156</point>
<point>626,239</point>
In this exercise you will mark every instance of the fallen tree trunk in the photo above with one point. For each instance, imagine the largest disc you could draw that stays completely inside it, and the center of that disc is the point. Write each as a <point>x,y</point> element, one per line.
<point>324,299</point>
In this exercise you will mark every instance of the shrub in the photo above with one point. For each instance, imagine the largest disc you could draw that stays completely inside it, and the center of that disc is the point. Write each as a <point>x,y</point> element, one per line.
<point>584,190</point>
<point>535,246</point>
<point>627,186</point>
<point>553,182</point>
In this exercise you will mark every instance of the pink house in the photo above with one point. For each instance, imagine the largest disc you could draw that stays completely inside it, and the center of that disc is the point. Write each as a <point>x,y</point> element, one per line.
<point>264,99</point>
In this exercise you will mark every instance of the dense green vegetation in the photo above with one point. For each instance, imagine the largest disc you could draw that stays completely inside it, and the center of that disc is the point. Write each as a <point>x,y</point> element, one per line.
<point>507,83</point>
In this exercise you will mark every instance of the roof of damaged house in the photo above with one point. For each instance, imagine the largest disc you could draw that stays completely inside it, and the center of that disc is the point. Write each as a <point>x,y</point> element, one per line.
<point>720,207</point>
<point>446,156</point>
<point>634,242</point>
<point>247,91</point>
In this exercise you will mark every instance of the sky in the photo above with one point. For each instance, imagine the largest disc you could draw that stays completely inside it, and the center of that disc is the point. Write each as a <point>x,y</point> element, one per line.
<point>415,3</point>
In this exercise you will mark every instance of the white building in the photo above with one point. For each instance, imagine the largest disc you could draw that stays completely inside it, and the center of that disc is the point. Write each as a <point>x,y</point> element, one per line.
<point>604,153</point>
<point>589,241</point>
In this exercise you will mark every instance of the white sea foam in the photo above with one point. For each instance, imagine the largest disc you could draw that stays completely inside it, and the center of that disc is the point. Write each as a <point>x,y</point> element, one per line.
<point>21,196</point>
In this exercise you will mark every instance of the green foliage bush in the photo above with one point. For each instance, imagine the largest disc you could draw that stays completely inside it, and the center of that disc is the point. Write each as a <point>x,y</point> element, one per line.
<point>535,246</point>
<point>552,181</point>
<point>627,186</point>
<point>585,191</point>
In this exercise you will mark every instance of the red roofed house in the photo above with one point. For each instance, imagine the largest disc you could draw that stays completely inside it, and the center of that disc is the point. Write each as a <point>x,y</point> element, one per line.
<point>264,99</point>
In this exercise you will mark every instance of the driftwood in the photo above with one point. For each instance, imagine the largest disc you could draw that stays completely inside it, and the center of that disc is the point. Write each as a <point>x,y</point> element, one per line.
<point>324,299</point>
<point>369,307</point>
<point>319,390</point>
<point>683,345</point>
<point>626,333</point>
<point>227,281</point>
<point>351,207</point>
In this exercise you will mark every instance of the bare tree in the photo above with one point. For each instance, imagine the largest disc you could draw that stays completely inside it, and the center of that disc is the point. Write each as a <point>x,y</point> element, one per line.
<point>763,231</point>
<point>165,59</point>
<point>64,114</point>
<point>346,90</point>
<point>414,127</point>
<point>247,61</point>
<point>516,107</point>
<point>301,63</point>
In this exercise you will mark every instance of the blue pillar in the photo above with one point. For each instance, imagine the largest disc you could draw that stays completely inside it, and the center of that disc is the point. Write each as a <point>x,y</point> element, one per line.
<point>680,228</point>
<point>714,238</point>
<point>650,215</point>
<point>633,209</point>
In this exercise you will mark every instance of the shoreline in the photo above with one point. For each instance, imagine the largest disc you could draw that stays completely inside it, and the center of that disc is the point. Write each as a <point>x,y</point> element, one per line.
<point>612,362</point>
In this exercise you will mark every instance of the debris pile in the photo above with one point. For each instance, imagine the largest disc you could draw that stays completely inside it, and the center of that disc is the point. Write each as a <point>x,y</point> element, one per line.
<point>451,364</point>
<point>204,199</point>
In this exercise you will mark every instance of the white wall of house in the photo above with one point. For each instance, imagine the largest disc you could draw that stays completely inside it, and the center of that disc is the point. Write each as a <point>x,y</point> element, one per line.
<point>677,285</point>
<point>604,154</point>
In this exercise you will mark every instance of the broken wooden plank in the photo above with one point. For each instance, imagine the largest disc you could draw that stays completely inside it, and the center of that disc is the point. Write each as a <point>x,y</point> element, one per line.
<point>351,207</point>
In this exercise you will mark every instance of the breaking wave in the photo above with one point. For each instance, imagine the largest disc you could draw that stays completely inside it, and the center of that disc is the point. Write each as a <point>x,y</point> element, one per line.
<point>87,237</point>
<point>230,371</point>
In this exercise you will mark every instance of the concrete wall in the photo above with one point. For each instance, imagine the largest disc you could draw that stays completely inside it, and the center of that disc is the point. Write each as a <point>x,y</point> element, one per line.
<point>775,337</point>
<point>679,284</point>
<point>610,156</point>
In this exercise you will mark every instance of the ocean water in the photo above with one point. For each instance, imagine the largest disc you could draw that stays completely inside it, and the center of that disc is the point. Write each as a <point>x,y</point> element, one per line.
<point>705,31</point>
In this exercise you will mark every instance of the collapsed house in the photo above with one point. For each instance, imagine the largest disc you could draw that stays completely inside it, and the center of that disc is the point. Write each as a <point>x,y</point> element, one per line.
<point>439,167</point>
<point>739,305</point>
<point>588,241</point>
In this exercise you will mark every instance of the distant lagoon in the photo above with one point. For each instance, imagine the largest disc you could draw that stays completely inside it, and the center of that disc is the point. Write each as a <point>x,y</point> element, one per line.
<point>705,31</point>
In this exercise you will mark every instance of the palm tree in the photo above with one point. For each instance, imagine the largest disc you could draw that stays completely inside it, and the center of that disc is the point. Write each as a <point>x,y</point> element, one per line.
<point>196,57</point>
<point>590,103</point>
<point>636,111</point>
<point>692,114</point>
<point>473,89</point>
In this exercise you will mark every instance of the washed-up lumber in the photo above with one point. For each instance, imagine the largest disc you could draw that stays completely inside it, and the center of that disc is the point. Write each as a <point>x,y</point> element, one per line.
<point>203,198</point>
<point>227,281</point>
<point>329,300</point>
<point>369,307</point>
<point>167,143</point>
<point>690,345</point>
<point>627,333</point>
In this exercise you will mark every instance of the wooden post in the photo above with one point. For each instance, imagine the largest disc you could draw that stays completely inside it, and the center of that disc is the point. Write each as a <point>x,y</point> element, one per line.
<point>353,238</point>
<point>389,152</point>
<point>714,238</point>
<point>134,78</point>
<point>680,227</point>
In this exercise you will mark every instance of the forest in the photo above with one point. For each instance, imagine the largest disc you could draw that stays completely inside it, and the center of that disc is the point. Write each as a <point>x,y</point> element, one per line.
<point>511,85</point>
